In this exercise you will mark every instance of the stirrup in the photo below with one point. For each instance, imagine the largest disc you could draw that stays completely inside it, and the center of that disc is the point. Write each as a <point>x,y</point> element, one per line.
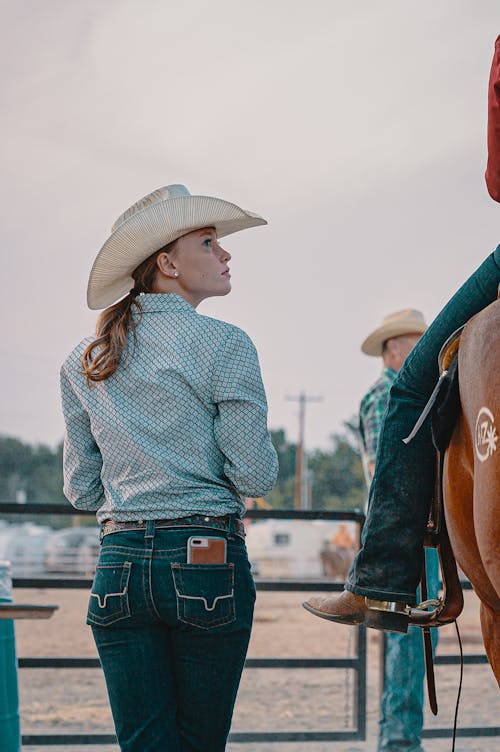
<point>391,616</point>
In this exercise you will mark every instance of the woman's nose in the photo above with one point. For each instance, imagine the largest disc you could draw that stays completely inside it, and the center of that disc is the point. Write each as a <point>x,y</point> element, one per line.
<point>224,255</point>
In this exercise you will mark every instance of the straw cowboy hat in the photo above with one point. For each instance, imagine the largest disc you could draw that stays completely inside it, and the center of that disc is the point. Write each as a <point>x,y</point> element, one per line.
<point>408,321</point>
<point>150,224</point>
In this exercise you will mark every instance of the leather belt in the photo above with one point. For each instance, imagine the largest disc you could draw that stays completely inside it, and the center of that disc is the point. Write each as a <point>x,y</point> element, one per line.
<point>229,523</point>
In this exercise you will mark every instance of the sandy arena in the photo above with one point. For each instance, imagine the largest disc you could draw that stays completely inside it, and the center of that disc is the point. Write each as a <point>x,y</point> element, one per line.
<point>74,701</point>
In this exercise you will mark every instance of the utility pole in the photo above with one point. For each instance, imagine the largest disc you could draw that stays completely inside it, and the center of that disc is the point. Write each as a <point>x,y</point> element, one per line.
<point>301,486</point>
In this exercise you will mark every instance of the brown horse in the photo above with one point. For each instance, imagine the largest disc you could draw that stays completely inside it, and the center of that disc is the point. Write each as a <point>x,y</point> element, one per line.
<point>471,479</point>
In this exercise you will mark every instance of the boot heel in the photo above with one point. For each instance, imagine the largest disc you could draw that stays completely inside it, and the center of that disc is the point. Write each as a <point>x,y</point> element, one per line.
<point>389,621</point>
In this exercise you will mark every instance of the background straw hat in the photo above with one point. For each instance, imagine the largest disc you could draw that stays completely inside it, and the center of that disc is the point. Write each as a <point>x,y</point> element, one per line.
<point>395,324</point>
<point>151,223</point>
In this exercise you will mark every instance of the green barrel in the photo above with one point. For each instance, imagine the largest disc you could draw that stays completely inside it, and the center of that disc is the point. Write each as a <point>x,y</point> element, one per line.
<point>10,732</point>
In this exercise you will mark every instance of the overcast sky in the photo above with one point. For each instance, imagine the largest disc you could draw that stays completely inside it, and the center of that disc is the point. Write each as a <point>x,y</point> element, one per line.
<point>357,129</point>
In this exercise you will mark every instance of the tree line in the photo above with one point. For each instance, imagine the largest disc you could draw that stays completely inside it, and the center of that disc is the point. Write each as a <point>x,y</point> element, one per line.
<point>33,473</point>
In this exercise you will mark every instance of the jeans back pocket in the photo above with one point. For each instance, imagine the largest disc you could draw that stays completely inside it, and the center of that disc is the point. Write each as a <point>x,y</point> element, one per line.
<point>108,601</point>
<point>205,594</point>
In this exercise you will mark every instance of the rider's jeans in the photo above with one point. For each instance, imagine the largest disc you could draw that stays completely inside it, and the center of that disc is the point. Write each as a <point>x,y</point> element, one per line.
<point>172,638</point>
<point>401,708</point>
<point>389,564</point>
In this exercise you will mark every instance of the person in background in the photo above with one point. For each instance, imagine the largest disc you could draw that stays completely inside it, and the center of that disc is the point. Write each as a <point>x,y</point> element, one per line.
<point>401,711</point>
<point>166,431</point>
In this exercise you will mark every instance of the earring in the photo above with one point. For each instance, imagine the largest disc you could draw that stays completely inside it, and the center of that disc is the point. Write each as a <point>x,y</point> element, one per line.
<point>176,274</point>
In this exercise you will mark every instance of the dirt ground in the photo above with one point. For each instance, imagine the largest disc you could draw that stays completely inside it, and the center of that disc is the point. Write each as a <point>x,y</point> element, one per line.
<point>74,701</point>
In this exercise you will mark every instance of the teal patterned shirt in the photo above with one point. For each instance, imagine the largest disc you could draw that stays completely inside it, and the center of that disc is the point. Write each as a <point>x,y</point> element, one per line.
<point>180,428</point>
<point>371,414</point>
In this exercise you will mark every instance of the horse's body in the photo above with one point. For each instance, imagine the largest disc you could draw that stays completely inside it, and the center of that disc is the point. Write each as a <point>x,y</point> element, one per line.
<point>471,481</point>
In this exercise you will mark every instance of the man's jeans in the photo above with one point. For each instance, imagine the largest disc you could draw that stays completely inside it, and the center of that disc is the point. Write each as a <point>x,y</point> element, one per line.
<point>172,638</point>
<point>401,709</point>
<point>389,564</point>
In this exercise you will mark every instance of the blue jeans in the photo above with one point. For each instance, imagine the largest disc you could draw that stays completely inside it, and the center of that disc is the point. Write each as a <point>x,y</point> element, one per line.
<point>172,638</point>
<point>389,564</point>
<point>401,708</point>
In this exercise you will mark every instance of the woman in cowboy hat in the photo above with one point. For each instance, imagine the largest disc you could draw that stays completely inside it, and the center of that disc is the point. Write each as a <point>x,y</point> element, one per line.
<point>166,431</point>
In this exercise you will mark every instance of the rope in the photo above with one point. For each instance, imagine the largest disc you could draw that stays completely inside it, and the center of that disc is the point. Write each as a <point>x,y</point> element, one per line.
<point>459,687</point>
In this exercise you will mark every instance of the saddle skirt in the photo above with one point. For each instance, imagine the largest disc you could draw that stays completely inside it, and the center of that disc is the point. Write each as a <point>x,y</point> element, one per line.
<point>444,403</point>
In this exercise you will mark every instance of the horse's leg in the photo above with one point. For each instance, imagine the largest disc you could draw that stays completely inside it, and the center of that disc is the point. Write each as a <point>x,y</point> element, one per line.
<point>486,528</point>
<point>486,490</point>
<point>460,492</point>
<point>490,627</point>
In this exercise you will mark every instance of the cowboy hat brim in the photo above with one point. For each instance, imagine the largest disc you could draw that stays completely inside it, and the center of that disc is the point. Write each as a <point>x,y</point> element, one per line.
<point>374,343</point>
<point>152,228</point>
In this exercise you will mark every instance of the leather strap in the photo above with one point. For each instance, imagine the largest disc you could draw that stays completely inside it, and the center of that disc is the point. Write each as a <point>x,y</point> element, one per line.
<point>428,653</point>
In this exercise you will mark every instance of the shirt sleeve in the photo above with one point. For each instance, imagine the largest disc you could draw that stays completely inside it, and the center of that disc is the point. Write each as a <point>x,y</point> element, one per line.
<point>371,417</point>
<point>492,175</point>
<point>251,463</point>
<point>82,461</point>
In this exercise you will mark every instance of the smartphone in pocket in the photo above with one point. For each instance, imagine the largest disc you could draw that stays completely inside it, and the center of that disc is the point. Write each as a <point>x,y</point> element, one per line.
<point>206,549</point>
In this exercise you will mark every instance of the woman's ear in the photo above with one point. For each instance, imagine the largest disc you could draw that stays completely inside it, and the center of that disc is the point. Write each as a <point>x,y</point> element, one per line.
<point>166,265</point>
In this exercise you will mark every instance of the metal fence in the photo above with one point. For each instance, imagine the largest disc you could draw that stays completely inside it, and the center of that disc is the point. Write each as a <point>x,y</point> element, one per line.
<point>356,663</point>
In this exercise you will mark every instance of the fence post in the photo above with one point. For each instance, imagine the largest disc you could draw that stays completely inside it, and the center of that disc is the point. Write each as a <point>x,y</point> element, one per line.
<point>10,732</point>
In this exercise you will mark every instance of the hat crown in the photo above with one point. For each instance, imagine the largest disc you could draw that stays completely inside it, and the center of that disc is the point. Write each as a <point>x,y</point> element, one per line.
<point>404,315</point>
<point>397,324</point>
<point>166,192</point>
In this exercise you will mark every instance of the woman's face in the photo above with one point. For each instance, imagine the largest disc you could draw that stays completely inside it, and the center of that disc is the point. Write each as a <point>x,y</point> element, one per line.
<point>198,266</point>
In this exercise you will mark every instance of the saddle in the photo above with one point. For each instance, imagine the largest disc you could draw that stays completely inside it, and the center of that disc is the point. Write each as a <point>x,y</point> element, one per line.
<point>444,409</point>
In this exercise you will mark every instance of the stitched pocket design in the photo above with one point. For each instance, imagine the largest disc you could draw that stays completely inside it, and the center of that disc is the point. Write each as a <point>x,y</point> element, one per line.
<point>205,594</point>
<point>108,601</point>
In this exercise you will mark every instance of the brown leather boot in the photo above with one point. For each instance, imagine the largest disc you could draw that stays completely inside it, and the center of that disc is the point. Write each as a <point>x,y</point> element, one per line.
<point>350,608</point>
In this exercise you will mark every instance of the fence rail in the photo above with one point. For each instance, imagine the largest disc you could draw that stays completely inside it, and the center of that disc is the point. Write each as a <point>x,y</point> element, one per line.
<point>357,663</point>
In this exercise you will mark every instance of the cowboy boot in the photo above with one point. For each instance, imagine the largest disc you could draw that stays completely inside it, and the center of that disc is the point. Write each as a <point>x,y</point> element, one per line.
<point>350,608</point>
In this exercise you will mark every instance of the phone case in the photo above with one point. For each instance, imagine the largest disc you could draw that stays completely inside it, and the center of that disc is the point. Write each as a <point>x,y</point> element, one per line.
<point>204,549</point>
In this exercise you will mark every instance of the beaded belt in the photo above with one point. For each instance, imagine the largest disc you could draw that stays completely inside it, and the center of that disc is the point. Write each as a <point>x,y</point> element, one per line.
<point>230,523</point>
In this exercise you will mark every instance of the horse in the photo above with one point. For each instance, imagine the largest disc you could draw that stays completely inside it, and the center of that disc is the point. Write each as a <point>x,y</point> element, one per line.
<point>471,472</point>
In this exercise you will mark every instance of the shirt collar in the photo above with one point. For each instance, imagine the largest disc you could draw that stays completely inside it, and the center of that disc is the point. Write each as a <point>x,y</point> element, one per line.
<point>390,373</point>
<point>164,301</point>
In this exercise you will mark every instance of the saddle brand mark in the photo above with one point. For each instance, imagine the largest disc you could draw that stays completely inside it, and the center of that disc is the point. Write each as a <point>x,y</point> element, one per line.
<point>486,436</point>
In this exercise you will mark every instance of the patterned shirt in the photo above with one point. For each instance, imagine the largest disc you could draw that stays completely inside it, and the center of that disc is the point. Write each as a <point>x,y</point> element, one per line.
<point>371,415</point>
<point>180,428</point>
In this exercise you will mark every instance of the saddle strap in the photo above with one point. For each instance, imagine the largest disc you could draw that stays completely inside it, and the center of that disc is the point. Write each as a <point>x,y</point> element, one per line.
<point>428,652</point>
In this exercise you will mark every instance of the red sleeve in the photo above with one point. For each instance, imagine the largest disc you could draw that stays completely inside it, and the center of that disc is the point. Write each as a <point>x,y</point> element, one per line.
<point>493,167</point>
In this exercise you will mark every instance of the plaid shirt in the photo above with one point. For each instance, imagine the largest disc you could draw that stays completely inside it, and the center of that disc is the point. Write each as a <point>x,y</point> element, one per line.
<point>371,414</point>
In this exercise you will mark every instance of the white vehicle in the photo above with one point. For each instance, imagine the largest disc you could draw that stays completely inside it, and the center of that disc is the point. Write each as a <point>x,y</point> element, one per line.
<point>292,548</point>
<point>24,547</point>
<point>73,550</point>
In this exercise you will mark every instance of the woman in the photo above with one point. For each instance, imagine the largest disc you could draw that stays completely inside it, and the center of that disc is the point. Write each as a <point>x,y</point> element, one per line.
<point>165,432</point>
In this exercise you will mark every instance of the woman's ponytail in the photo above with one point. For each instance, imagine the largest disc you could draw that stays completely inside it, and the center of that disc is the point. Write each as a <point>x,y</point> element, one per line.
<point>102,357</point>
